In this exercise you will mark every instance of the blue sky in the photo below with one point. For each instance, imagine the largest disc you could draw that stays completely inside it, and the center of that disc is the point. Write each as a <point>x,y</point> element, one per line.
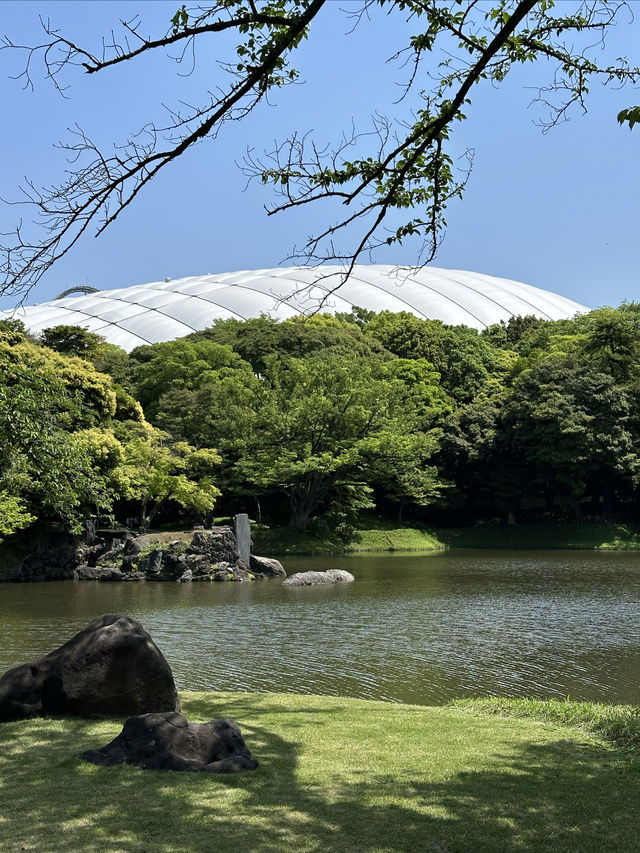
<point>556,210</point>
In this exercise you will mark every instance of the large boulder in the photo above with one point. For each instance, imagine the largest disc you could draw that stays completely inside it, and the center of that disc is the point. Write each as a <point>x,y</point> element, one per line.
<point>168,742</point>
<point>319,578</point>
<point>111,668</point>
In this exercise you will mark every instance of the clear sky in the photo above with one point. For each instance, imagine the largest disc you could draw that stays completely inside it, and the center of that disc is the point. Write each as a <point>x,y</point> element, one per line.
<point>556,210</point>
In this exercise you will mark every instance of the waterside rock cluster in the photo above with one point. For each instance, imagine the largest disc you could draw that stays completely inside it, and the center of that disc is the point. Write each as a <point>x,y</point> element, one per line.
<point>211,555</point>
<point>218,554</point>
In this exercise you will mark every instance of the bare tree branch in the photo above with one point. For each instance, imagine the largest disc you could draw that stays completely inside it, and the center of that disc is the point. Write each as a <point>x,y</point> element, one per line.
<point>106,186</point>
<point>394,182</point>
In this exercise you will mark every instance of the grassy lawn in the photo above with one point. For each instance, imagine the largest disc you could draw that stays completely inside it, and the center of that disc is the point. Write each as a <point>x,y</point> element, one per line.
<point>339,775</point>
<point>375,535</point>
<point>384,535</point>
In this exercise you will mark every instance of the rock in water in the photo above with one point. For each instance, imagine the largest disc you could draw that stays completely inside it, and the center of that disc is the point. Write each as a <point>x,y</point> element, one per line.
<point>267,566</point>
<point>169,742</point>
<point>318,578</point>
<point>111,668</point>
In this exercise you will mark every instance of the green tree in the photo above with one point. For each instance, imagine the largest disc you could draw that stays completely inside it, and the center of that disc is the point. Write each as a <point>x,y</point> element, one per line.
<point>612,339</point>
<point>44,471</point>
<point>72,443</point>
<point>324,426</point>
<point>461,356</point>
<point>154,470</point>
<point>113,360</point>
<point>183,364</point>
<point>571,425</point>
<point>70,340</point>
<point>257,338</point>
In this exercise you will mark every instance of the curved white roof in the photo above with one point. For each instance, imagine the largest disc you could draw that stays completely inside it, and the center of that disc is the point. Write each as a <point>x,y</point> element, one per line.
<point>162,311</point>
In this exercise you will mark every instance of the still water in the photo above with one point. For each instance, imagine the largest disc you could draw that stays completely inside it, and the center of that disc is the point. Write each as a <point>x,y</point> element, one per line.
<point>412,628</point>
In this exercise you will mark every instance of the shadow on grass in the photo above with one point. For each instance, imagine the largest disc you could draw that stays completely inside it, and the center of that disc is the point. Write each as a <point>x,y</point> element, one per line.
<point>559,796</point>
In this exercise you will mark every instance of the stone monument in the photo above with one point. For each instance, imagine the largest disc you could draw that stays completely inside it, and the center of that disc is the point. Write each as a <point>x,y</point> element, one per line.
<point>243,537</point>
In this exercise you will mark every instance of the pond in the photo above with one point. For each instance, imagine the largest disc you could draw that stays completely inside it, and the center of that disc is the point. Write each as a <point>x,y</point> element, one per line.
<point>413,628</point>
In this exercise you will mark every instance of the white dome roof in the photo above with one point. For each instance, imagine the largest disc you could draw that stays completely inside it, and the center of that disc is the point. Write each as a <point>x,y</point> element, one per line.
<point>162,311</point>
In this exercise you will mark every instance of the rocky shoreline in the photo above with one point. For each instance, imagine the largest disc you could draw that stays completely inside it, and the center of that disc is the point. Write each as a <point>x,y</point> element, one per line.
<point>203,555</point>
<point>212,555</point>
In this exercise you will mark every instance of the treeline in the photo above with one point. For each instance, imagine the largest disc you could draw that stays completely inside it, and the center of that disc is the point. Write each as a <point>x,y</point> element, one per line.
<point>311,421</point>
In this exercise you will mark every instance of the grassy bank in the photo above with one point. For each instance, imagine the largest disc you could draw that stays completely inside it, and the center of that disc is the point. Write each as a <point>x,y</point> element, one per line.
<point>382,535</point>
<point>375,536</point>
<point>338,775</point>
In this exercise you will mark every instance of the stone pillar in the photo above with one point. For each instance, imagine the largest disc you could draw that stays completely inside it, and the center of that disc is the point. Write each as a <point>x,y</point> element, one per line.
<point>243,536</point>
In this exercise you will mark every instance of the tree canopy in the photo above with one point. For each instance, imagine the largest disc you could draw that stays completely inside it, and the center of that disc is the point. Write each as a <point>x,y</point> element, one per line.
<point>382,184</point>
<point>313,423</point>
<point>73,443</point>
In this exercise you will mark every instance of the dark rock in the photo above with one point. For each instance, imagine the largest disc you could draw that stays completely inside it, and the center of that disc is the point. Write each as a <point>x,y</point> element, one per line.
<point>151,563</point>
<point>114,552</point>
<point>111,573</point>
<point>87,573</point>
<point>111,668</point>
<point>237,571</point>
<point>267,566</point>
<point>134,576</point>
<point>187,577</point>
<point>130,563</point>
<point>89,532</point>
<point>39,553</point>
<point>120,555</point>
<point>200,567</point>
<point>132,546</point>
<point>319,578</point>
<point>169,742</point>
<point>217,544</point>
<point>223,571</point>
<point>199,538</point>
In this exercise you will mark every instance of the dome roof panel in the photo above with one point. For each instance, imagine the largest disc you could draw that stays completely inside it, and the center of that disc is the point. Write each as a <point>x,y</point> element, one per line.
<point>121,338</point>
<point>154,327</point>
<point>200,287</point>
<point>199,313</point>
<point>46,319</point>
<point>152,298</point>
<point>246,301</point>
<point>159,311</point>
<point>429,298</point>
<point>113,311</point>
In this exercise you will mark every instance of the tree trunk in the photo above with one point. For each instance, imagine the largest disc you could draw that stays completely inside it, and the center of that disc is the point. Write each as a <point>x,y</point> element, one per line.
<point>143,514</point>
<point>578,511</point>
<point>304,499</point>
<point>400,510</point>
<point>607,503</point>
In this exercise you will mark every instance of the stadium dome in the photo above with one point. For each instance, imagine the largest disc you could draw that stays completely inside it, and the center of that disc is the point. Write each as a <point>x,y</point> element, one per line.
<point>162,311</point>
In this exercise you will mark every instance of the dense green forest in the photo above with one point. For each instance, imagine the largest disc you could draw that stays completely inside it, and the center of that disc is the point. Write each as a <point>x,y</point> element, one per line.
<point>311,421</point>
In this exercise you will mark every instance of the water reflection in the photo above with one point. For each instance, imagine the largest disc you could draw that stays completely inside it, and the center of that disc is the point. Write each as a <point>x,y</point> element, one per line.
<point>413,628</point>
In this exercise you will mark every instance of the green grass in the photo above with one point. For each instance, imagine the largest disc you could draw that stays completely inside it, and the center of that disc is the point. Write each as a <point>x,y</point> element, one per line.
<point>375,535</point>
<point>619,725</point>
<point>385,535</point>
<point>336,775</point>
<point>590,537</point>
